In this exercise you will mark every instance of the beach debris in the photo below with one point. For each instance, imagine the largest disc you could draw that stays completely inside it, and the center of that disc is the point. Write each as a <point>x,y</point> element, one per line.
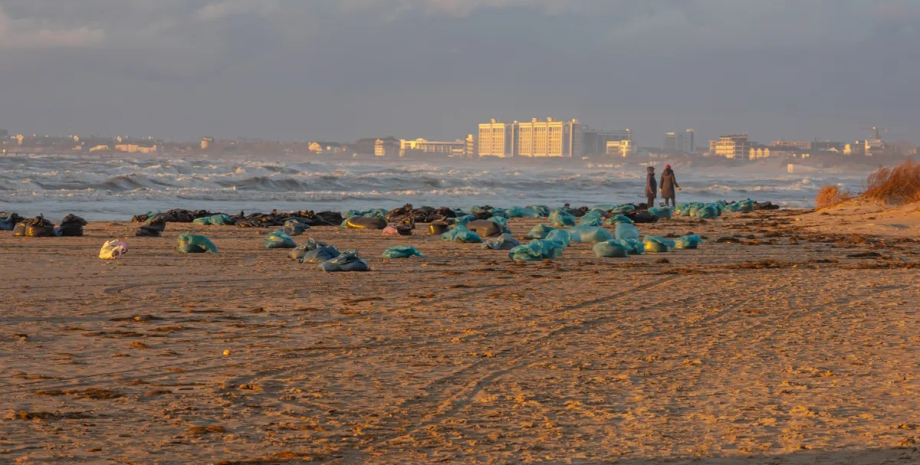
<point>219,219</point>
<point>589,234</point>
<point>347,261</point>
<point>194,243</point>
<point>402,251</point>
<point>617,219</point>
<point>562,236</point>
<point>690,241</point>
<point>661,212</point>
<point>540,231</point>
<point>561,219</point>
<point>537,249</point>
<point>487,228</point>
<point>34,227</point>
<point>461,234</point>
<point>71,226</point>
<point>153,227</point>
<point>279,240</point>
<point>113,249</point>
<point>611,249</point>
<point>626,231</point>
<point>655,244</point>
<point>294,227</point>
<point>226,353</point>
<point>503,242</point>
<point>364,222</point>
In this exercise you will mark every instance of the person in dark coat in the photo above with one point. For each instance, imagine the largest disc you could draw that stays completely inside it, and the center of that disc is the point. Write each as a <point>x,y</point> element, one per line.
<point>651,187</point>
<point>668,186</point>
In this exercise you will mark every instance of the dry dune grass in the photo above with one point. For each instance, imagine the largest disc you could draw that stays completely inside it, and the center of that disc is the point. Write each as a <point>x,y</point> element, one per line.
<point>829,195</point>
<point>897,185</point>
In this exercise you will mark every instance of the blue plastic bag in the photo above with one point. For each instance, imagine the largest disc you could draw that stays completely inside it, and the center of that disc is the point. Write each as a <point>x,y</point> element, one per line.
<point>536,250</point>
<point>626,231</point>
<point>213,220</point>
<point>589,234</point>
<point>461,234</point>
<point>610,249</point>
<point>562,236</point>
<point>617,219</point>
<point>542,211</point>
<point>193,243</point>
<point>302,249</point>
<point>402,251</point>
<point>661,212</point>
<point>279,240</point>
<point>539,231</point>
<point>655,244</point>
<point>561,219</point>
<point>294,227</point>
<point>503,242</point>
<point>346,261</point>
<point>707,212</point>
<point>691,241</point>
<point>590,219</point>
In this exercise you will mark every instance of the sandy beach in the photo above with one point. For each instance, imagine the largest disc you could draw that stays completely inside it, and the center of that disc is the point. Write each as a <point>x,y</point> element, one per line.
<point>783,340</point>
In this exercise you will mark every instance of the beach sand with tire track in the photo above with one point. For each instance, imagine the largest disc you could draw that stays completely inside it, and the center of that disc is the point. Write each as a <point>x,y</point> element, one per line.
<point>773,343</point>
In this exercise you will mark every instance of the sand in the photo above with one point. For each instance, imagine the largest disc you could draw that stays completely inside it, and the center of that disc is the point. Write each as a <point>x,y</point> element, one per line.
<point>775,343</point>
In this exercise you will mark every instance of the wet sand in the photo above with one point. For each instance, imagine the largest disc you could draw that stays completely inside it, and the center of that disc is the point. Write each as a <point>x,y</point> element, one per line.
<point>771,344</point>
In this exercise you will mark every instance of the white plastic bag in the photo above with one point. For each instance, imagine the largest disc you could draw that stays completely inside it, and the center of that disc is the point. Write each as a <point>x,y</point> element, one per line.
<point>113,249</point>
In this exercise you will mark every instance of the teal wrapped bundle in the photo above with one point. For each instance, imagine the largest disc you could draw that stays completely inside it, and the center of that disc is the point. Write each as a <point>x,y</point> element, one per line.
<point>540,231</point>
<point>661,212</point>
<point>655,244</point>
<point>213,220</point>
<point>691,241</point>
<point>193,243</point>
<point>461,234</point>
<point>402,251</point>
<point>611,249</point>
<point>617,219</point>
<point>346,262</point>
<point>279,240</point>
<point>626,231</point>
<point>562,236</point>
<point>561,219</point>
<point>590,219</point>
<point>589,234</point>
<point>536,250</point>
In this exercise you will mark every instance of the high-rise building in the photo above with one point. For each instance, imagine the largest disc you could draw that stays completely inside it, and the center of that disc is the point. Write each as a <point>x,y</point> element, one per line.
<point>735,146</point>
<point>387,147</point>
<point>496,139</point>
<point>471,146</point>
<point>550,138</point>
<point>206,142</point>
<point>680,141</point>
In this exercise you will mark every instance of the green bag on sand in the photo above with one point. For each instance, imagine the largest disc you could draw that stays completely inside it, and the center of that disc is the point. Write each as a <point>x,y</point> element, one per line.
<point>540,231</point>
<point>655,244</point>
<point>279,240</point>
<point>193,243</point>
<point>611,249</point>
<point>691,241</point>
<point>402,251</point>
<point>536,250</point>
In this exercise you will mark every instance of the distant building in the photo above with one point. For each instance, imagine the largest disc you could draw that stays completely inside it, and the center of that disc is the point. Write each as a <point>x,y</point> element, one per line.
<point>792,144</point>
<point>683,142</point>
<point>550,138</point>
<point>496,139</point>
<point>455,148</point>
<point>4,133</point>
<point>206,142</point>
<point>100,148</point>
<point>135,148</point>
<point>470,150</point>
<point>388,147</point>
<point>595,141</point>
<point>735,146</point>
<point>621,148</point>
<point>327,148</point>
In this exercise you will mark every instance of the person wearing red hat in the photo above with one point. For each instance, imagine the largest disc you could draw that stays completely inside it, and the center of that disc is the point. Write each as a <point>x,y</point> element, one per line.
<point>668,186</point>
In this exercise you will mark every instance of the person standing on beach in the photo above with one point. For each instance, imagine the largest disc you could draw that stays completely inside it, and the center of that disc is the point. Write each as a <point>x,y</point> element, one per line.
<point>651,187</point>
<point>668,186</point>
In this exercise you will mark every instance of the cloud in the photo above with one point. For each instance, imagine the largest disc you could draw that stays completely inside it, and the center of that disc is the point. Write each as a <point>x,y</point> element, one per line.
<point>24,34</point>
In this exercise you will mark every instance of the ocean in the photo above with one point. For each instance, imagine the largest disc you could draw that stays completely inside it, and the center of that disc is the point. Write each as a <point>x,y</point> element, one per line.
<point>115,188</point>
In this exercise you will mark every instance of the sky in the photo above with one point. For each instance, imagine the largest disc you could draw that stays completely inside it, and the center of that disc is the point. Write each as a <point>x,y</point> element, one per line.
<point>343,69</point>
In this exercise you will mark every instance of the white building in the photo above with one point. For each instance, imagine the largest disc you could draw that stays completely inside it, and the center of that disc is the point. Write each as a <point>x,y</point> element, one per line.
<point>595,140</point>
<point>496,139</point>
<point>680,141</point>
<point>621,148</point>
<point>455,148</point>
<point>550,138</point>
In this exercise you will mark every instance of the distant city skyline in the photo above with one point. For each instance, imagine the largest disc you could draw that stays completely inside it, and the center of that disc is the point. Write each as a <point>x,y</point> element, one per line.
<point>346,69</point>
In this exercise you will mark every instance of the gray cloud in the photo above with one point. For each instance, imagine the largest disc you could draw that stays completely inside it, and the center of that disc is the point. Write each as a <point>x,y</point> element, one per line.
<point>300,69</point>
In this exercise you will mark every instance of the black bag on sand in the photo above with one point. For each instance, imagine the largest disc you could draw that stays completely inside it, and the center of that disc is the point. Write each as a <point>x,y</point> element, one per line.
<point>35,227</point>
<point>438,227</point>
<point>71,226</point>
